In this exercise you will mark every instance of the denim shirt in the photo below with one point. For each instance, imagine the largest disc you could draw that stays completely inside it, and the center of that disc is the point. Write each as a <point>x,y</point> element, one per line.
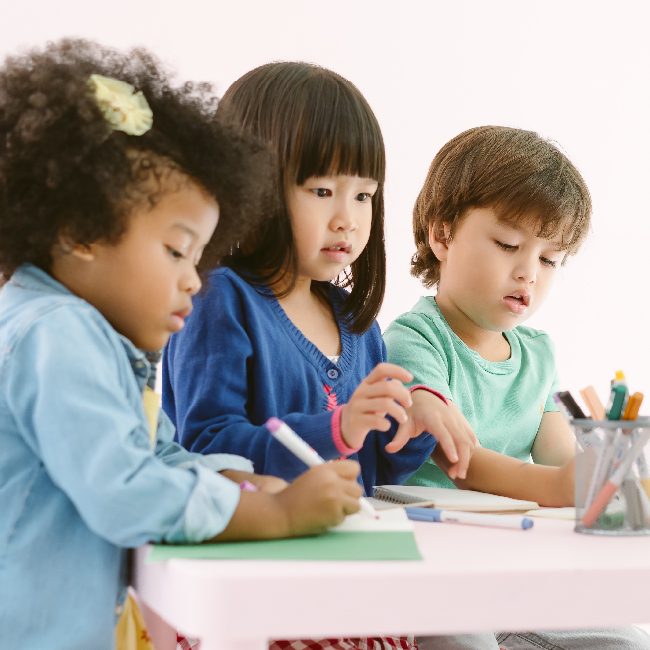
<point>79,482</point>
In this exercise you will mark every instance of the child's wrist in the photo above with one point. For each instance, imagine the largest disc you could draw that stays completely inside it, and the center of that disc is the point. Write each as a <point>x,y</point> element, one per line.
<point>338,436</point>
<point>432,391</point>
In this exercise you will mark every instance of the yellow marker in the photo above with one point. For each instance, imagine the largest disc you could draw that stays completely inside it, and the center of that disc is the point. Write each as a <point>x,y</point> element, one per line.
<point>593,403</point>
<point>633,406</point>
<point>151,403</point>
<point>631,413</point>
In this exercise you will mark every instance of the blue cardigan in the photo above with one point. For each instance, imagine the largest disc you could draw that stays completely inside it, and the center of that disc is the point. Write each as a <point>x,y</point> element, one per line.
<point>240,360</point>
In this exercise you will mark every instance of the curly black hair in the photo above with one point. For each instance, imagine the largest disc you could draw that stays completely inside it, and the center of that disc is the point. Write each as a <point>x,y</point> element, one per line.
<point>63,169</point>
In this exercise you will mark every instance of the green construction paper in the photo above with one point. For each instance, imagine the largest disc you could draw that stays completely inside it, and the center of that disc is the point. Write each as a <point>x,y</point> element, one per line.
<point>385,545</point>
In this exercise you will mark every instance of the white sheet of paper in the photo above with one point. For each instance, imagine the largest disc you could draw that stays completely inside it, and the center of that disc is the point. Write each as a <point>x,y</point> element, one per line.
<point>394,519</point>
<point>553,513</point>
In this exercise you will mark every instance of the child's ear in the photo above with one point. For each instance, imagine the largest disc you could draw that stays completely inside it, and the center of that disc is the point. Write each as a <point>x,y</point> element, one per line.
<point>439,239</point>
<point>83,252</point>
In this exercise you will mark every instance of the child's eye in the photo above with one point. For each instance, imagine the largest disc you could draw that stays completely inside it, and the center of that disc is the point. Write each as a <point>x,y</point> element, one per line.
<point>177,255</point>
<point>505,247</point>
<point>363,197</point>
<point>546,262</point>
<point>322,192</point>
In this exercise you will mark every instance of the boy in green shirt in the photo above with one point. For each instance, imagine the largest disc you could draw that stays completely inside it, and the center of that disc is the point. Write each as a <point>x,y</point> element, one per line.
<point>499,212</point>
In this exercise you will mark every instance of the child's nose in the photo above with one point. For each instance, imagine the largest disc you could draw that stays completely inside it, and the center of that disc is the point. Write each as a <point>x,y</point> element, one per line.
<point>191,282</point>
<point>343,219</point>
<point>526,270</point>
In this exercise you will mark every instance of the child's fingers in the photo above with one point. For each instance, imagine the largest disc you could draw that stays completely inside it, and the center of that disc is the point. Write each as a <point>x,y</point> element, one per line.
<point>459,469</point>
<point>401,437</point>
<point>446,441</point>
<point>352,489</point>
<point>384,371</point>
<point>351,505</point>
<point>372,421</point>
<point>346,469</point>
<point>391,389</point>
<point>382,407</point>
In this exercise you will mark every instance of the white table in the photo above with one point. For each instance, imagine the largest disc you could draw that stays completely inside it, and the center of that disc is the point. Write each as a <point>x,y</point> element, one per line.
<point>471,579</point>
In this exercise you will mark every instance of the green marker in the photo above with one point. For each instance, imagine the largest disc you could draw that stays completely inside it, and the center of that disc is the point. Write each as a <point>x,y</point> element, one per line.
<point>616,401</point>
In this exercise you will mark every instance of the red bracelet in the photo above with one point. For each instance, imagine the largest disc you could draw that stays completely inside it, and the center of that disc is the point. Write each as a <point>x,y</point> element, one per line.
<point>430,390</point>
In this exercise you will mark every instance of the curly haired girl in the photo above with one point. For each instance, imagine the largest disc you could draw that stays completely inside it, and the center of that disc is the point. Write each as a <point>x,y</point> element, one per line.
<point>112,183</point>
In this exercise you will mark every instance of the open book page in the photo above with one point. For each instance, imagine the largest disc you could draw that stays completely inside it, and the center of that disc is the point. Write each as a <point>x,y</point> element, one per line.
<point>451,499</point>
<point>568,513</point>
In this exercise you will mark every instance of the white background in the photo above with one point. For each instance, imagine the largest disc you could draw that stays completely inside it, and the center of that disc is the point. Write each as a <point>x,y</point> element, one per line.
<point>577,72</point>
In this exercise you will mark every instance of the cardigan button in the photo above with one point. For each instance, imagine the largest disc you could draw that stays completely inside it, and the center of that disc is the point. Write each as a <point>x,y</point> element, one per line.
<point>332,373</point>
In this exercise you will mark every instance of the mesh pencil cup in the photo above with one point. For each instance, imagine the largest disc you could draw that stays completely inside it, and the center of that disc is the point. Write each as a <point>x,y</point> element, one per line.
<point>612,482</point>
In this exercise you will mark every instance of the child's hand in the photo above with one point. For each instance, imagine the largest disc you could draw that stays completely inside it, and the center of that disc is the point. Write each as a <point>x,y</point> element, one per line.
<point>373,400</point>
<point>456,439</point>
<point>321,497</point>
<point>263,482</point>
<point>316,500</point>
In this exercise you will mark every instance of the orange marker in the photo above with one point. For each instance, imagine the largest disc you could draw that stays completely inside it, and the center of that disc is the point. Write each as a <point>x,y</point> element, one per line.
<point>633,406</point>
<point>594,405</point>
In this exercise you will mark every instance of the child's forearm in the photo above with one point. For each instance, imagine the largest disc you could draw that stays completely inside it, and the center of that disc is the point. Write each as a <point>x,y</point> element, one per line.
<point>492,472</point>
<point>319,498</point>
<point>258,516</point>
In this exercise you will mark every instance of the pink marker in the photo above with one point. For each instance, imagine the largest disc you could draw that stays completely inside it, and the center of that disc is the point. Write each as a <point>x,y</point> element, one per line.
<point>284,434</point>
<point>247,486</point>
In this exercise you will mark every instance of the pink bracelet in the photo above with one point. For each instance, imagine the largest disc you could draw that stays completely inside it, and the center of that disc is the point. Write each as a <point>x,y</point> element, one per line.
<point>430,390</point>
<point>337,436</point>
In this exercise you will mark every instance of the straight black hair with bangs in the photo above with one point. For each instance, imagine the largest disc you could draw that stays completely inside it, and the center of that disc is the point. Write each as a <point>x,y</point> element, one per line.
<point>316,123</point>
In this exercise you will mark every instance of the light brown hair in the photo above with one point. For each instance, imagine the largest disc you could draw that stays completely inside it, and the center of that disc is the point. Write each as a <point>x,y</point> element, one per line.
<point>519,174</point>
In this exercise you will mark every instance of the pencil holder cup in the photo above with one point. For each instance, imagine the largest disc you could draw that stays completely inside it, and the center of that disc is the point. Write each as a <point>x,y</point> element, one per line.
<point>612,480</point>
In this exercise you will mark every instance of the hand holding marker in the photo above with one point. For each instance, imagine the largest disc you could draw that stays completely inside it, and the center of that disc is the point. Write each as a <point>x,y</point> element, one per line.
<point>285,435</point>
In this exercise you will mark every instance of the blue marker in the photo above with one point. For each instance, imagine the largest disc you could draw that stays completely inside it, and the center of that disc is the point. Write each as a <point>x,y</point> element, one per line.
<point>471,518</point>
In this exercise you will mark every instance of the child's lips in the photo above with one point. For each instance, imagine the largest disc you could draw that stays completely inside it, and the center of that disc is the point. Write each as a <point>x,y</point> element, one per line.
<point>178,319</point>
<point>183,313</point>
<point>338,247</point>
<point>337,252</point>
<point>517,303</point>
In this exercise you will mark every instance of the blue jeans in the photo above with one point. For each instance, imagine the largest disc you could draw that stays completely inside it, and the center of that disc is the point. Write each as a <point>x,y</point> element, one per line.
<point>626,638</point>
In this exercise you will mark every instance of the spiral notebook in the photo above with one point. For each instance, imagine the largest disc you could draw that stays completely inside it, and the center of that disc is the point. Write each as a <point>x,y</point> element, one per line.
<point>449,499</point>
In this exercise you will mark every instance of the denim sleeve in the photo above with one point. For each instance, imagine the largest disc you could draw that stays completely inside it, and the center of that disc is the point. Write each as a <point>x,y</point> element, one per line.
<point>71,395</point>
<point>171,453</point>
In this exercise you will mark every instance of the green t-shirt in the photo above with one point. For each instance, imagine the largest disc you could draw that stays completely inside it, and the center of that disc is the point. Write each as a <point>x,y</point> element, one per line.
<point>502,400</point>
